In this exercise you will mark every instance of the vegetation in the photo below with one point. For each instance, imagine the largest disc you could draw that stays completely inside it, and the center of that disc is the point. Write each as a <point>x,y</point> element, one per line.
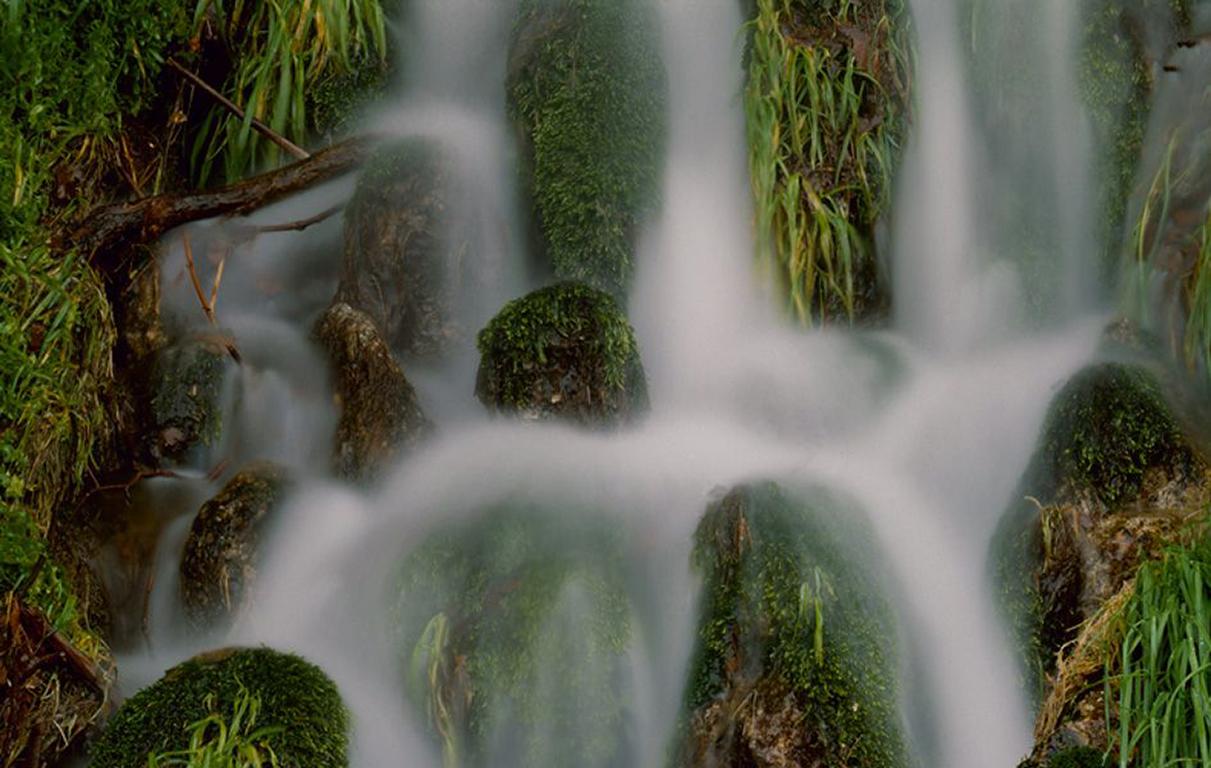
<point>1077,757</point>
<point>587,91</point>
<point>825,102</point>
<point>298,715</point>
<point>281,50</point>
<point>220,740</point>
<point>794,602</point>
<point>513,625</point>
<point>1159,684</point>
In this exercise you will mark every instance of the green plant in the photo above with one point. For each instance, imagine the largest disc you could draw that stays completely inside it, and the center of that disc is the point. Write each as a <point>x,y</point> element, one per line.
<point>281,47</point>
<point>821,157</point>
<point>304,720</point>
<point>1158,689</point>
<point>222,740</point>
<point>1197,341</point>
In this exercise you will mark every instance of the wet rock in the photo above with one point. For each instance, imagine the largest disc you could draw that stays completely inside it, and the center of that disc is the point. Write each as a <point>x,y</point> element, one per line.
<point>187,396</point>
<point>400,268</point>
<point>796,657</point>
<point>563,352</point>
<point>300,709</point>
<point>380,418</point>
<point>220,559</point>
<point>514,629</point>
<point>1115,479</point>
<point>587,93</point>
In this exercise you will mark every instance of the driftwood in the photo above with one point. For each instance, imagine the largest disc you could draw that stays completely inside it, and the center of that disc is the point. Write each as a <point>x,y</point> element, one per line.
<point>108,234</point>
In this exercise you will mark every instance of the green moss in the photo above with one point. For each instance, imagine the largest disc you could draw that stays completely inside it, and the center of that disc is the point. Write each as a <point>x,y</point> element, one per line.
<point>792,592</point>
<point>1108,426</point>
<point>294,695</point>
<point>338,100</point>
<point>518,340</point>
<point>535,622</point>
<point>1077,757</point>
<point>587,92</point>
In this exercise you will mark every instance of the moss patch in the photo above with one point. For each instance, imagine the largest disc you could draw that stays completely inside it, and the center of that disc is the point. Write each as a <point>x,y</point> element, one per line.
<point>793,605</point>
<point>587,91</point>
<point>514,625</point>
<point>1077,757</point>
<point>1107,427</point>
<point>294,694</point>
<point>536,345</point>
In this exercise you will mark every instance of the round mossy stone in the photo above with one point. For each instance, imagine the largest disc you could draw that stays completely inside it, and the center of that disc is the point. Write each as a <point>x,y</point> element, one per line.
<point>295,696</point>
<point>566,352</point>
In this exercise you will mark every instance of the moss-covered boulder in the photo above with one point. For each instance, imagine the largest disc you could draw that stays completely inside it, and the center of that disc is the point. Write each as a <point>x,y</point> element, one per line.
<point>380,418</point>
<point>220,558</point>
<point>515,625</point>
<point>1114,479</point>
<point>300,708</point>
<point>562,352</point>
<point>796,663</point>
<point>586,91</point>
<point>187,396</point>
<point>400,264</point>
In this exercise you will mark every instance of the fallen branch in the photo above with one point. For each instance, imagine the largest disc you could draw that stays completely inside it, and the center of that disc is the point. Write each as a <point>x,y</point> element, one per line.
<point>301,224</point>
<point>111,233</point>
<point>291,148</point>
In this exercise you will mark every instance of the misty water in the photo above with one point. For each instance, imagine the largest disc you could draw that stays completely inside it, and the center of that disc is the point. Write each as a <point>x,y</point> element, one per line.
<point>928,425</point>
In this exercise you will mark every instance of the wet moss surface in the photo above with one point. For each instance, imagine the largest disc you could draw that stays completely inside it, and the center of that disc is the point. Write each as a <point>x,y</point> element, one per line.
<point>566,351</point>
<point>295,696</point>
<point>795,619</point>
<point>587,92</point>
<point>514,624</point>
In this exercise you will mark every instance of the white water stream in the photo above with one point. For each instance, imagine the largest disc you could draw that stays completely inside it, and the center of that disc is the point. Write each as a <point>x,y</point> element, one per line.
<point>928,427</point>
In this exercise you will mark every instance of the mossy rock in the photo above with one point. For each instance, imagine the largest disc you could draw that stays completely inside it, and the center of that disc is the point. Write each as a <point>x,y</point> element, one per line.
<point>796,625</point>
<point>562,352</point>
<point>400,265</point>
<point>295,696</point>
<point>515,623</point>
<point>1108,434</point>
<point>221,551</point>
<point>336,103</point>
<point>587,93</point>
<point>187,396</point>
<point>380,418</point>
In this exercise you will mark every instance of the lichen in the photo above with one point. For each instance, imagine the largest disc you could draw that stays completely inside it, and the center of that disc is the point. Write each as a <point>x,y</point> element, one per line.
<point>793,599</point>
<point>295,695</point>
<point>587,91</point>
<point>536,623</point>
<point>526,337</point>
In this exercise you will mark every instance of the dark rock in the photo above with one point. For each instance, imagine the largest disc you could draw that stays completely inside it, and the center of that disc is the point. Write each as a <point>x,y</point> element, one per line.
<point>300,714</point>
<point>187,396</point>
<point>562,352</point>
<point>220,559</point>
<point>399,266</point>
<point>796,663</point>
<point>379,415</point>
<point>514,627</point>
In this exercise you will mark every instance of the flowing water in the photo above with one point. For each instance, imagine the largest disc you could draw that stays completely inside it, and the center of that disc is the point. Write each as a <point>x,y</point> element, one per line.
<point>928,426</point>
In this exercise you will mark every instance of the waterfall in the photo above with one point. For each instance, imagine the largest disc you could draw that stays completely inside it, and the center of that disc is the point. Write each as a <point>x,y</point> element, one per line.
<point>928,425</point>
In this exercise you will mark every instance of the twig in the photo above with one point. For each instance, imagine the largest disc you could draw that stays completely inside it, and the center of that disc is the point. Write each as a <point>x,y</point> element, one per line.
<point>301,224</point>
<point>290,147</point>
<point>193,278</point>
<point>142,474</point>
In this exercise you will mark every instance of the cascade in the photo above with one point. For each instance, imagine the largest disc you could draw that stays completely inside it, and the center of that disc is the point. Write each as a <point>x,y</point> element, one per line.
<point>927,425</point>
